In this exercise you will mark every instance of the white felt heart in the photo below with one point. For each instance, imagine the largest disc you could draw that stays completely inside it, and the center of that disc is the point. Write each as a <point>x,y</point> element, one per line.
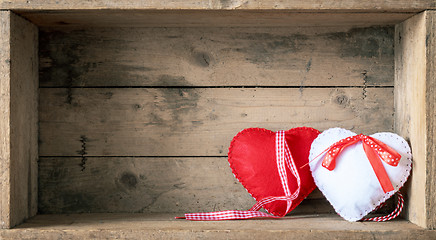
<point>352,187</point>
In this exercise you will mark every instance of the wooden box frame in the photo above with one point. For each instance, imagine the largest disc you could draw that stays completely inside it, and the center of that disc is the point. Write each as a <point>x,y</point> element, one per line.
<point>415,114</point>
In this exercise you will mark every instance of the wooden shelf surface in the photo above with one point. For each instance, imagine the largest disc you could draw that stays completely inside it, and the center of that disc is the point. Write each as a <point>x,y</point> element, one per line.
<point>164,226</point>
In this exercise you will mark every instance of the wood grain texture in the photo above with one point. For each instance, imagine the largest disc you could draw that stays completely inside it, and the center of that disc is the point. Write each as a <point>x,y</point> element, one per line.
<point>19,84</point>
<point>208,18</point>
<point>415,112</point>
<point>124,184</point>
<point>410,121</point>
<point>5,118</point>
<point>149,221</point>
<point>24,118</point>
<point>139,185</point>
<point>195,121</point>
<point>430,41</point>
<point>316,56</point>
<point>164,226</point>
<point>317,5</point>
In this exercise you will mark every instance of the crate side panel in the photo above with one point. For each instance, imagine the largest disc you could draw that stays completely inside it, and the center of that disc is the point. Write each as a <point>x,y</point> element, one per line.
<point>415,112</point>
<point>5,119</point>
<point>410,108</point>
<point>431,117</point>
<point>19,86</point>
<point>275,56</point>
<point>195,121</point>
<point>24,118</point>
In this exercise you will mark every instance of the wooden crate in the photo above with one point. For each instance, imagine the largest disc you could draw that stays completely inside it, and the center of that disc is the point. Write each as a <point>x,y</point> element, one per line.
<point>115,118</point>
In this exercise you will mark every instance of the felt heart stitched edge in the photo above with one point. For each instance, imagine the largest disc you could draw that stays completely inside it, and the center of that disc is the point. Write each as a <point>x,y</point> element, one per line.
<point>351,197</point>
<point>252,159</point>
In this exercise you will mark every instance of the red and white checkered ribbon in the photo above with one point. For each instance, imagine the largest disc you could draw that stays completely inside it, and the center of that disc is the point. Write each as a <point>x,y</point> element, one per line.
<point>392,215</point>
<point>284,160</point>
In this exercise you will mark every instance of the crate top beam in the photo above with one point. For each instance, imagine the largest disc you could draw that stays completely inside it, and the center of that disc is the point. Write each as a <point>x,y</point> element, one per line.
<point>296,5</point>
<point>207,18</point>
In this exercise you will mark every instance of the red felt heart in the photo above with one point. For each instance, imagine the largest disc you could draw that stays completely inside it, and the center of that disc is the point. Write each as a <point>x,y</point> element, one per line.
<point>252,158</point>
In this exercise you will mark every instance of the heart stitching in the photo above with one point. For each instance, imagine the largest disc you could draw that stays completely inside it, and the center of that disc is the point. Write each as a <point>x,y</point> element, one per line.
<point>352,187</point>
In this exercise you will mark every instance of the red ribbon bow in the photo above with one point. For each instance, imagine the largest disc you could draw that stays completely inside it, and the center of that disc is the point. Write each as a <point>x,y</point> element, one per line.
<point>374,150</point>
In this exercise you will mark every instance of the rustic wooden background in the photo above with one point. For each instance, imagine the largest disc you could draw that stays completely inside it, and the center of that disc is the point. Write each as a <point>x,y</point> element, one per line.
<point>140,119</point>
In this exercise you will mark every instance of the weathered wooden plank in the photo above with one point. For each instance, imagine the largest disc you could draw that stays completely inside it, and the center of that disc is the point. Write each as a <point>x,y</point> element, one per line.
<point>296,56</point>
<point>431,117</point>
<point>75,185</point>
<point>127,184</point>
<point>317,5</point>
<point>19,119</point>
<point>195,121</point>
<point>415,111</point>
<point>164,226</point>
<point>5,139</point>
<point>24,119</point>
<point>198,18</point>
<point>410,106</point>
<point>325,222</point>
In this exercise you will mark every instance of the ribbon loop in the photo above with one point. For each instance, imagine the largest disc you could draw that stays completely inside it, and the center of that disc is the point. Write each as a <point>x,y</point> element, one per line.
<point>375,150</point>
<point>386,153</point>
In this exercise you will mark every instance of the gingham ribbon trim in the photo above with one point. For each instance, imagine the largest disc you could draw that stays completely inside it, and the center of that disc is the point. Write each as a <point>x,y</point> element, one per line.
<point>284,160</point>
